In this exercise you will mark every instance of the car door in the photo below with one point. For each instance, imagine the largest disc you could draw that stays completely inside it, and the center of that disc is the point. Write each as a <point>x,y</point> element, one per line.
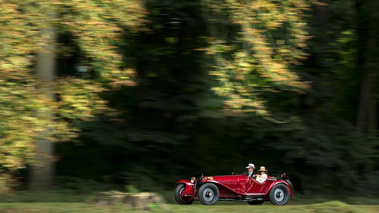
<point>253,186</point>
<point>238,184</point>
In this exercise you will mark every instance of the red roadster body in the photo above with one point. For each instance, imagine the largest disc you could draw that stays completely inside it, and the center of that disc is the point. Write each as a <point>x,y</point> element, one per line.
<point>210,189</point>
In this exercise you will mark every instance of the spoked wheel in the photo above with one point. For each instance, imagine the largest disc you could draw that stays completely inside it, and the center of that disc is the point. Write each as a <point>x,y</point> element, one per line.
<point>256,202</point>
<point>208,194</point>
<point>180,199</point>
<point>279,194</point>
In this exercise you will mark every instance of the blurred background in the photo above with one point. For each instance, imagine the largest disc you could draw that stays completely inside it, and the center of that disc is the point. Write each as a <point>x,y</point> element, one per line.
<point>103,94</point>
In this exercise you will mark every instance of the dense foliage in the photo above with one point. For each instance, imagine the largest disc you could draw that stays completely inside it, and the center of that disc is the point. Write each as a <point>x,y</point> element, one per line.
<point>150,92</point>
<point>25,101</point>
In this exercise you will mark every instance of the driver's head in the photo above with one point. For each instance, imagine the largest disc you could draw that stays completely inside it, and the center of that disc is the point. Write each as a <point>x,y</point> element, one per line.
<point>250,167</point>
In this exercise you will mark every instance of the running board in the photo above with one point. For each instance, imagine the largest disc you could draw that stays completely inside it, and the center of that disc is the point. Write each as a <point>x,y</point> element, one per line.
<point>241,200</point>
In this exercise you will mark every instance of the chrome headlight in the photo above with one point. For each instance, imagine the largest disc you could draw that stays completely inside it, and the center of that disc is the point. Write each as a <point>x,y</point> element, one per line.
<point>193,179</point>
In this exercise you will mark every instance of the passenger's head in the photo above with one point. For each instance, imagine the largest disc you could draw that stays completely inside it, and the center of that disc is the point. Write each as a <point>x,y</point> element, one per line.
<point>262,170</point>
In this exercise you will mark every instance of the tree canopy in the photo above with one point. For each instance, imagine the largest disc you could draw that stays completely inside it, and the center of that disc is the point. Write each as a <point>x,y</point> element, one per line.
<point>177,87</point>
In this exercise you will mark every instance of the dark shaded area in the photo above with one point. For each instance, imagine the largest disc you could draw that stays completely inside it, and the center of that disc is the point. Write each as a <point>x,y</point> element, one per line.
<point>171,126</point>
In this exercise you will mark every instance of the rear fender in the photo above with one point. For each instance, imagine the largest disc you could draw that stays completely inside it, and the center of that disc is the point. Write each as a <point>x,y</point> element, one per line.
<point>189,190</point>
<point>277,182</point>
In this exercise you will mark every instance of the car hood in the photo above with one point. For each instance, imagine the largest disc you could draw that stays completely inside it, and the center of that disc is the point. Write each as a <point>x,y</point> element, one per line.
<point>225,178</point>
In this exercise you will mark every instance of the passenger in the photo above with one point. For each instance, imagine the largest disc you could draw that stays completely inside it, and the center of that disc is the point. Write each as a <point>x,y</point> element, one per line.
<point>262,174</point>
<point>251,168</point>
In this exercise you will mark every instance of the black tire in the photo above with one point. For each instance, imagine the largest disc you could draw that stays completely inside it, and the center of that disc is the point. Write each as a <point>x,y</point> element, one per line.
<point>279,194</point>
<point>208,194</point>
<point>179,199</point>
<point>256,202</point>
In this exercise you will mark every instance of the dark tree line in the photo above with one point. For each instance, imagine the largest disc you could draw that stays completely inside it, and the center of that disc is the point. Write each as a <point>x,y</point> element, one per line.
<point>174,126</point>
<point>209,86</point>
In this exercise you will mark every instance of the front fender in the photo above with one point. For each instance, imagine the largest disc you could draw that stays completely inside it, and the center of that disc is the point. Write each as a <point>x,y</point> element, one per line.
<point>189,190</point>
<point>184,181</point>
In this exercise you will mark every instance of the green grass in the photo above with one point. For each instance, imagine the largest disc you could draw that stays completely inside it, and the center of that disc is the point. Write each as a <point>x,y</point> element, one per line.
<point>335,207</point>
<point>62,196</point>
<point>70,202</point>
<point>268,208</point>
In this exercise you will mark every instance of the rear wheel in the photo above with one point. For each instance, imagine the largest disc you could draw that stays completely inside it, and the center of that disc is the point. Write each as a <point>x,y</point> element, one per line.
<point>279,194</point>
<point>256,202</point>
<point>208,194</point>
<point>180,199</point>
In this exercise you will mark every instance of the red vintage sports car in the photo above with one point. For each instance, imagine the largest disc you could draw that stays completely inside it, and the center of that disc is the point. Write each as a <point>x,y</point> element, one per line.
<point>210,189</point>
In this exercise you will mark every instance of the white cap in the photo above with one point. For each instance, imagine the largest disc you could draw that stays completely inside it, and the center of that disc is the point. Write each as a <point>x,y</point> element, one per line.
<point>251,165</point>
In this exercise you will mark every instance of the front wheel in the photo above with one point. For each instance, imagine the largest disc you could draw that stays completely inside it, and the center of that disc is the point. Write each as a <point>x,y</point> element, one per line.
<point>180,199</point>
<point>208,194</point>
<point>279,194</point>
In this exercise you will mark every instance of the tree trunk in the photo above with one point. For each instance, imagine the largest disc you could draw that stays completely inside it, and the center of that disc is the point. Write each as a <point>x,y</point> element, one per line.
<point>41,175</point>
<point>367,32</point>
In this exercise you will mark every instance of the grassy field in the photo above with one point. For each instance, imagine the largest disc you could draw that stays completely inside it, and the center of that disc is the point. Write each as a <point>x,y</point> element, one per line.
<point>334,206</point>
<point>68,202</point>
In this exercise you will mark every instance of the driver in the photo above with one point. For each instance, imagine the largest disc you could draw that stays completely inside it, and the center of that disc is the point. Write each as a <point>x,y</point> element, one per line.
<point>251,168</point>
